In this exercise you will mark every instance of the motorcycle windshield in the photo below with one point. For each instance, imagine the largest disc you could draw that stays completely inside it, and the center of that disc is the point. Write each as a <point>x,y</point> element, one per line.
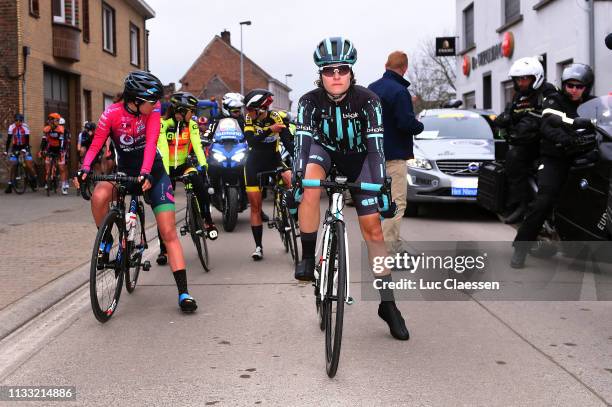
<point>599,109</point>
<point>228,129</point>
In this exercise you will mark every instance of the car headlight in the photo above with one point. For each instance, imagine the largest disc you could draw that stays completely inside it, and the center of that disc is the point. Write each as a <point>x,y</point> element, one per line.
<point>238,156</point>
<point>219,157</point>
<point>420,163</point>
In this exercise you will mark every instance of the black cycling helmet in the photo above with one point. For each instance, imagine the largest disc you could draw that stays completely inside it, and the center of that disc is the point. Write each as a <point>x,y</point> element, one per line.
<point>90,126</point>
<point>581,73</point>
<point>141,86</point>
<point>18,117</point>
<point>258,99</point>
<point>335,50</point>
<point>184,100</point>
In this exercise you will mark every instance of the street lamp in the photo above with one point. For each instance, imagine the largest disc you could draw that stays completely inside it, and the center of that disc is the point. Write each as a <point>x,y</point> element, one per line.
<point>242,58</point>
<point>287,75</point>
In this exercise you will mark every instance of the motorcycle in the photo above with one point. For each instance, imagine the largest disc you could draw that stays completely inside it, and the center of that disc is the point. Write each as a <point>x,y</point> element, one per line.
<point>584,210</point>
<point>226,156</point>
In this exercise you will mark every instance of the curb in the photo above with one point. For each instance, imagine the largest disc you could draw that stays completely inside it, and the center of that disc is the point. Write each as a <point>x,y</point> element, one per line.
<point>19,313</point>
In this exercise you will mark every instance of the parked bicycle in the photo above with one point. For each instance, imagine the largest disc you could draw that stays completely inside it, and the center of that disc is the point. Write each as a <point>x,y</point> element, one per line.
<point>281,219</point>
<point>119,245</point>
<point>331,286</point>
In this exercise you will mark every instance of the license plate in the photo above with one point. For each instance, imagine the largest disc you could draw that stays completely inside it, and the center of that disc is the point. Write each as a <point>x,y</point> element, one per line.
<point>464,191</point>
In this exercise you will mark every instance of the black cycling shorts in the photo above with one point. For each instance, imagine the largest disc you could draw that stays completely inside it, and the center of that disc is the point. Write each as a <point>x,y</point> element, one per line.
<point>260,161</point>
<point>161,192</point>
<point>355,167</point>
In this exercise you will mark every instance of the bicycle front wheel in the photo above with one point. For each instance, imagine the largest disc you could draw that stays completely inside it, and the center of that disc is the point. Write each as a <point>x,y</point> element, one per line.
<point>107,267</point>
<point>197,231</point>
<point>19,183</point>
<point>333,301</point>
<point>291,235</point>
<point>137,248</point>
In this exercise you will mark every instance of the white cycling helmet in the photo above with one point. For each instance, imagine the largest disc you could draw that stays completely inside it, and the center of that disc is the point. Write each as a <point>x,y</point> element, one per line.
<point>529,66</point>
<point>231,101</point>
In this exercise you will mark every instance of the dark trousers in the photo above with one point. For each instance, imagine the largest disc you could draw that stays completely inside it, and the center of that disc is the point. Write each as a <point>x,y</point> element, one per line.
<point>519,165</point>
<point>552,176</point>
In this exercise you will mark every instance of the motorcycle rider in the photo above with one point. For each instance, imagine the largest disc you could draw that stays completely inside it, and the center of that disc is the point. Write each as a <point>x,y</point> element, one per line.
<point>231,107</point>
<point>522,131</point>
<point>558,148</point>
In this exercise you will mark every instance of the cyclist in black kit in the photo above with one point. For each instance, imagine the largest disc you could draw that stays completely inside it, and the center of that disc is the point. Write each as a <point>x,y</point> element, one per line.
<point>340,123</point>
<point>264,130</point>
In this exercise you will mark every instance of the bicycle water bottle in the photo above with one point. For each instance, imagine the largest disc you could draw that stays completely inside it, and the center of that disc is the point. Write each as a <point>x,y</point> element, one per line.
<point>130,222</point>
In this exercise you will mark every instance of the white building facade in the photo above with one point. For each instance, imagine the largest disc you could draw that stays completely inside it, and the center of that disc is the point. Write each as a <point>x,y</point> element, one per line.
<point>495,33</point>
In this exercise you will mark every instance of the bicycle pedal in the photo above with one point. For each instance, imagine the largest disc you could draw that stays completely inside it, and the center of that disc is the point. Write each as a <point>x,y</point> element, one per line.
<point>146,265</point>
<point>270,225</point>
<point>350,301</point>
<point>183,230</point>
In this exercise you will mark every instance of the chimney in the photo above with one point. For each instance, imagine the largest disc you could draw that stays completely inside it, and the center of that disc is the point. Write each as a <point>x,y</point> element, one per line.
<point>225,36</point>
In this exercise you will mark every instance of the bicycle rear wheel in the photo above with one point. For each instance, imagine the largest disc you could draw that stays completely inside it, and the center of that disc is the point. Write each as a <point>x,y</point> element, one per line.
<point>290,234</point>
<point>107,267</point>
<point>137,247</point>
<point>20,181</point>
<point>197,230</point>
<point>333,301</point>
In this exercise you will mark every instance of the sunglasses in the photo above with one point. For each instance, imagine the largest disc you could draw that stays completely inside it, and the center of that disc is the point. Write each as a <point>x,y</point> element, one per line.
<point>330,71</point>
<point>575,86</point>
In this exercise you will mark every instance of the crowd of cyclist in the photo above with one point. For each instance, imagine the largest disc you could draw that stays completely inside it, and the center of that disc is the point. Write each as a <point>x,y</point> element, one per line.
<point>339,124</point>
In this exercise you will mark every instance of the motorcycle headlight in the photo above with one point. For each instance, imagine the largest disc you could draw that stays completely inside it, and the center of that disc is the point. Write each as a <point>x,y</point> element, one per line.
<point>219,157</point>
<point>420,163</point>
<point>238,156</point>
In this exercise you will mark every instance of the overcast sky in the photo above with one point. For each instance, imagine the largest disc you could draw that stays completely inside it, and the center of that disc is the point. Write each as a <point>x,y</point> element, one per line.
<point>283,35</point>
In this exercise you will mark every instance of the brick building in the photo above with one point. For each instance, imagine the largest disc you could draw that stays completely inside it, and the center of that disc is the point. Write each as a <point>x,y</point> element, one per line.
<point>67,56</point>
<point>217,71</point>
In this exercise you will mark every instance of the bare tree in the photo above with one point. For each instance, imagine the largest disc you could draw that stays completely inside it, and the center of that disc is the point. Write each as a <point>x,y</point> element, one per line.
<point>432,77</point>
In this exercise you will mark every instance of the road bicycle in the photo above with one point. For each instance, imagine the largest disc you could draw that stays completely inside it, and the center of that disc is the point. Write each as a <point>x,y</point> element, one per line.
<point>20,181</point>
<point>119,245</point>
<point>281,219</point>
<point>331,286</point>
<point>194,224</point>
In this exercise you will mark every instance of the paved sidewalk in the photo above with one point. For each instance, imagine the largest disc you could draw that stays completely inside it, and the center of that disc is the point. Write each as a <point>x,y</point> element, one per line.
<point>43,238</point>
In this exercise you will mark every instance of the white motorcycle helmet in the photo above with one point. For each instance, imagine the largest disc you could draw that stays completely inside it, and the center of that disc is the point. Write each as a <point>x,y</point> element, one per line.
<point>231,101</point>
<point>529,66</point>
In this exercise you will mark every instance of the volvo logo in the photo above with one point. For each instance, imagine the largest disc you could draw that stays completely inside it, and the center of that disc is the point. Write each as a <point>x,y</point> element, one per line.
<point>473,167</point>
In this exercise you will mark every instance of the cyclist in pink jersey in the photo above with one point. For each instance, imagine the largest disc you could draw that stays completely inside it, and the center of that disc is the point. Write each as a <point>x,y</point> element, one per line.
<point>134,124</point>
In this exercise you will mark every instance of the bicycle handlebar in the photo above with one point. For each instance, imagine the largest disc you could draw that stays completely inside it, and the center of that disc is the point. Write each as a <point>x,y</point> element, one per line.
<point>365,186</point>
<point>118,178</point>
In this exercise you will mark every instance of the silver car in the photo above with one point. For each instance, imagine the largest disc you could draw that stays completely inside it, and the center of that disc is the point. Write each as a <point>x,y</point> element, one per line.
<point>447,157</point>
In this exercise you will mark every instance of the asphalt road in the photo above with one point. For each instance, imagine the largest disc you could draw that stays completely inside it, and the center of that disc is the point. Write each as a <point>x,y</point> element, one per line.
<point>255,340</point>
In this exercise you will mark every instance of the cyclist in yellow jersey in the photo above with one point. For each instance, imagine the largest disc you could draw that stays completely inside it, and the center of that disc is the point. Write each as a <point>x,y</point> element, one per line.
<point>178,137</point>
<point>264,130</point>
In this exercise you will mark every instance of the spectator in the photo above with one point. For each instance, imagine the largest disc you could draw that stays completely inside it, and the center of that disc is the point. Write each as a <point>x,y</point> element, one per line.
<point>400,125</point>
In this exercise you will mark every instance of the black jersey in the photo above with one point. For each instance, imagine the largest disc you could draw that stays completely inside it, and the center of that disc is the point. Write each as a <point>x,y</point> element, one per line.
<point>353,125</point>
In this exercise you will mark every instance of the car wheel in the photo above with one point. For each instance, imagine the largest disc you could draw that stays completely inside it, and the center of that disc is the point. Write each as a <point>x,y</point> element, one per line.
<point>412,210</point>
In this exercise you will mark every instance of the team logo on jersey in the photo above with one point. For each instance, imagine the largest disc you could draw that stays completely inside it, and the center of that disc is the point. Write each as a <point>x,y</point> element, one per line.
<point>353,115</point>
<point>126,139</point>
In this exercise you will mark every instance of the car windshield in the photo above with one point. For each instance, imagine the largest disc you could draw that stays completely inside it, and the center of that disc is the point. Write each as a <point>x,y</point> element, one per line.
<point>455,126</point>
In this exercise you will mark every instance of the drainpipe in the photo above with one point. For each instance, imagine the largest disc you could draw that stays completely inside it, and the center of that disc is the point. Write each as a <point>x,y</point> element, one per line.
<point>592,34</point>
<point>26,52</point>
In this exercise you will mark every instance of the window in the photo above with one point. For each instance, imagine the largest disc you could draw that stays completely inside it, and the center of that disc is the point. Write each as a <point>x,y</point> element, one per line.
<point>64,11</point>
<point>512,10</point>
<point>86,21</point>
<point>469,100</point>
<point>486,92</point>
<point>108,28</point>
<point>134,45</point>
<point>87,115</point>
<point>543,60</point>
<point>468,26</point>
<point>508,92</point>
<point>34,9</point>
<point>59,11</point>
<point>108,100</point>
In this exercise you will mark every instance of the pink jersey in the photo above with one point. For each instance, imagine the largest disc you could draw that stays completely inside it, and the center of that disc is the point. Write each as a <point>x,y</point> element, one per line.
<point>135,138</point>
